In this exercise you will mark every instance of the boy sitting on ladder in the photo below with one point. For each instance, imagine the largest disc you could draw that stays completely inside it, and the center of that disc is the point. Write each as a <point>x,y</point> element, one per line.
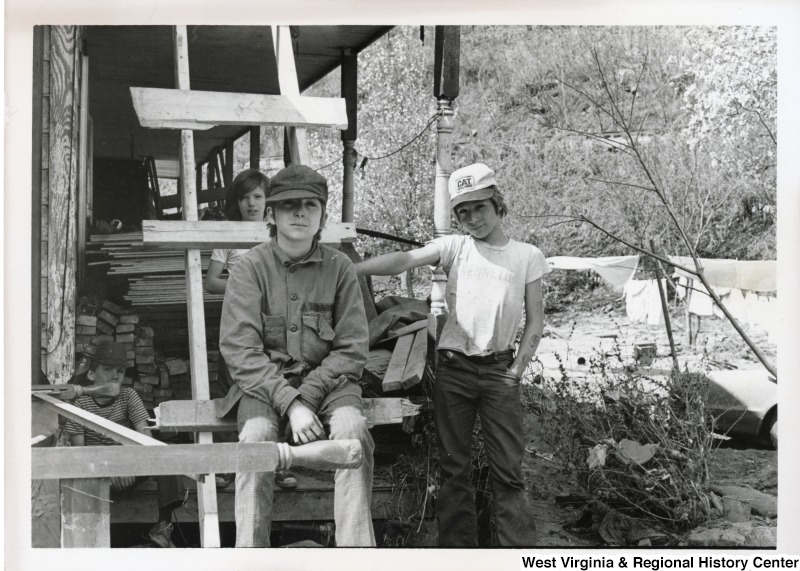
<point>490,277</point>
<point>295,338</point>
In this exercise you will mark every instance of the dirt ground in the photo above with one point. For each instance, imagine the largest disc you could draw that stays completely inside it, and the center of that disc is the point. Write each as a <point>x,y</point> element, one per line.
<point>588,323</point>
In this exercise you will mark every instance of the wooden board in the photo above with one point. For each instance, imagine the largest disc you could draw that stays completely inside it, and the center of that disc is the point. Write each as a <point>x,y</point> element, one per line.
<point>203,458</point>
<point>191,415</point>
<point>294,137</point>
<point>393,379</point>
<point>312,500</point>
<point>181,235</point>
<point>85,512</point>
<point>415,366</point>
<point>200,110</point>
<point>377,363</point>
<point>98,424</point>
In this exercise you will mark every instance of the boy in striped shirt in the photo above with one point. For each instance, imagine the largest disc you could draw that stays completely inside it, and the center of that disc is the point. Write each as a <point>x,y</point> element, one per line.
<point>108,399</point>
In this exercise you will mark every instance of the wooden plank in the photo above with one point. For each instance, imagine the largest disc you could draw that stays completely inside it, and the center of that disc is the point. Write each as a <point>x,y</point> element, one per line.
<point>100,425</point>
<point>408,329</point>
<point>38,261</point>
<point>384,411</point>
<point>170,235</point>
<point>85,512</point>
<point>200,110</point>
<point>84,166</point>
<point>415,366</point>
<point>377,363</point>
<point>295,137</point>
<point>61,250</point>
<point>203,458</point>
<point>207,509</point>
<point>393,379</point>
<point>312,500</point>
<point>45,514</point>
<point>192,415</point>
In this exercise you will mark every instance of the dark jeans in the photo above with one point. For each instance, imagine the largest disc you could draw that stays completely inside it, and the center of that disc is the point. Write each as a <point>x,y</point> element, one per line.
<point>466,386</point>
<point>170,490</point>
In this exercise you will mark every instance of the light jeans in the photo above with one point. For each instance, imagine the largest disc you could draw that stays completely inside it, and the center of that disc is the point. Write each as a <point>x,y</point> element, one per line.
<point>258,422</point>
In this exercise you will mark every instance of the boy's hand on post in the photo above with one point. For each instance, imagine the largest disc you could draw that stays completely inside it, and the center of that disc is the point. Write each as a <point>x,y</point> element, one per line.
<point>305,425</point>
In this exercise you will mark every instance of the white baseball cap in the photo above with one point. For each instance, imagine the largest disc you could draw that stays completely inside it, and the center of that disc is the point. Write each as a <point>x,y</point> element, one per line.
<point>475,182</point>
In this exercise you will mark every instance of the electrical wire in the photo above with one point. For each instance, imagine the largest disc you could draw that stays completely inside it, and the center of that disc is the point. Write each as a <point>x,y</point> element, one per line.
<point>366,158</point>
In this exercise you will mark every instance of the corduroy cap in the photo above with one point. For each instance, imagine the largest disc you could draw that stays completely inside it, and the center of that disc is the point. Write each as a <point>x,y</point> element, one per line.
<point>298,181</point>
<point>111,354</point>
<point>475,182</point>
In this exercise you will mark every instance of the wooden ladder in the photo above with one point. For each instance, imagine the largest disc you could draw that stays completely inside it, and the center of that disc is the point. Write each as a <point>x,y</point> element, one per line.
<point>186,110</point>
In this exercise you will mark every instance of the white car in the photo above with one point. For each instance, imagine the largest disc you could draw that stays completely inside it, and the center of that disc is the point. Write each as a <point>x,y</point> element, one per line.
<point>744,402</point>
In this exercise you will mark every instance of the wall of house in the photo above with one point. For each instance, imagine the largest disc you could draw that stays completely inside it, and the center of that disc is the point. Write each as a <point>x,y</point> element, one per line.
<point>60,147</point>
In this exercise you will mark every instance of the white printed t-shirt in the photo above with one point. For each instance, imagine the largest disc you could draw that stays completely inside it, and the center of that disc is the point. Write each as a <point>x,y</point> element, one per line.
<point>228,258</point>
<point>485,292</point>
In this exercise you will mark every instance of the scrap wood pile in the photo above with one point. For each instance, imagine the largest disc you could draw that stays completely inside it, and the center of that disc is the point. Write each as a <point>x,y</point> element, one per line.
<point>399,366</point>
<point>153,375</point>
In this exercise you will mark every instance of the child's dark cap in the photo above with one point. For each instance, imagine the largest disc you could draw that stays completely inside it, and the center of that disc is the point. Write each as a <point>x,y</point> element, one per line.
<point>111,354</point>
<point>298,181</point>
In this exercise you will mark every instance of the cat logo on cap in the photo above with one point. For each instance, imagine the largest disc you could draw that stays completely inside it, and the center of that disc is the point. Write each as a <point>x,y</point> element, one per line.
<point>465,183</point>
<point>473,182</point>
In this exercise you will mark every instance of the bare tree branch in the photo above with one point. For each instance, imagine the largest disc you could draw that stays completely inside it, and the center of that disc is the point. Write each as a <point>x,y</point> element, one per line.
<point>621,183</point>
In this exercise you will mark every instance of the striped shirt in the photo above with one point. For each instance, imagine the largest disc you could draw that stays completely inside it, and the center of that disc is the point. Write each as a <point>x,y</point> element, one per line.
<point>127,410</point>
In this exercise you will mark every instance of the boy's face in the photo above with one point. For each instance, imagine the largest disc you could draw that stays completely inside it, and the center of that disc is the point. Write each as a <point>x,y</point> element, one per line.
<point>296,220</point>
<point>252,205</point>
<point>478,217</point>
<point>104,374</point>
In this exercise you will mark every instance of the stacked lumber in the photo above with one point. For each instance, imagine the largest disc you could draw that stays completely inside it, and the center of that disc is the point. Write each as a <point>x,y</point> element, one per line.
<point>154,277</point>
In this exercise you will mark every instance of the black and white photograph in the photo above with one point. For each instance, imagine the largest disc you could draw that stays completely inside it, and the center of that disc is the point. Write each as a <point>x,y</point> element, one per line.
<point>476,289</point>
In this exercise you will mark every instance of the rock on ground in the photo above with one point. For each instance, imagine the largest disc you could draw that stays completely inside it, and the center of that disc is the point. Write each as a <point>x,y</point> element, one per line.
<point>721,533</point>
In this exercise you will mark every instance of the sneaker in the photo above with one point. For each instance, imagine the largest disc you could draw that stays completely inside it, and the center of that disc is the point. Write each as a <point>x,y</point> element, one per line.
<point>285,480</point>
<point>222,481</point>
<point>161,533</point>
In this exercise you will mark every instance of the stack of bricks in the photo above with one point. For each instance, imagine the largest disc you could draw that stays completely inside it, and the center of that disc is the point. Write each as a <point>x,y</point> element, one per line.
<point>155,378</point>
<point>149,378</point>
<point>85,332</point>
<point>177,377</point>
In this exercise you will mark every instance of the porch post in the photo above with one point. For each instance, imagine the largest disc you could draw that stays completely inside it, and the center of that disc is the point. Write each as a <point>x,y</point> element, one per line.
<point>445,89</point>
<point>349,92</point>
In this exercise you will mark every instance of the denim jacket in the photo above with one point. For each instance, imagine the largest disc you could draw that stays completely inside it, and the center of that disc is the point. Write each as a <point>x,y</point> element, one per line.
<point>285,319</point>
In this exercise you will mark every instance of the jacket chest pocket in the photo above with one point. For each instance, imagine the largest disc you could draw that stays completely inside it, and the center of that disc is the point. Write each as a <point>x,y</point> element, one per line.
<point>273,331</point>
<point>317,338</point>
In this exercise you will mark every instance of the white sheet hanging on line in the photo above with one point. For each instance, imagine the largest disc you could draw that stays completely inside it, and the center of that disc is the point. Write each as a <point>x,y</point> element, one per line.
<point>616,270</point>
<point>643,302</point>
<point>759,275</point>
